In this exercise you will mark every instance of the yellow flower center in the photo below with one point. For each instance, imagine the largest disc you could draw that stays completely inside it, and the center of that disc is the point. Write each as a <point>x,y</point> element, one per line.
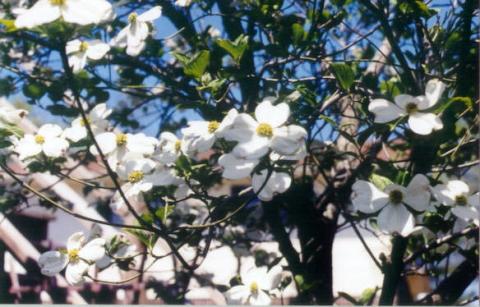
<point>213,126</point>
<point>121,139</point>
<point>178,145</point>
<point>132,17</point>
<point>264,129</point>
<point>83,46</point>
<point>135,176</point>
<point>39,139</point>
<point>83,122</point>
<point>73,255</point>
<point>461,200</point>
<point>58,2</point>
<point>411,108</point>
<point>395,197</point>
<point>254,288</point>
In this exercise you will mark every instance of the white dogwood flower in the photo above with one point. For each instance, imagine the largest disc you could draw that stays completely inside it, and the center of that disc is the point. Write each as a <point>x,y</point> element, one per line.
<point>392,203</point>
<point>142,175</point>
<point>48,140</point>
<point>9,114</point>
<point>236,168</point>
<point>256,137</point>
<point>133,36</point>
<point>277,183</point>
<point>169,148</point>
<point>79,51</point>
<point>200,136</point>
<point>419,120</point>
<point>81,12</point>
<point>456,194</point>
<point>120,146</point>
<point>79,255</point>
<point>96,119</point>
<point>255,287</point>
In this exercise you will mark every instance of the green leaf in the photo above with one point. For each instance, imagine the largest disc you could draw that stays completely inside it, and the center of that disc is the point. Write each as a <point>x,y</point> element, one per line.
<point>5,143</point>
<point>9,25</point>
<point>194,66</point>
<point>467,101</point>
<point>146,238</point>
<point>163,212</point>
<point>344,75</point>
<point>367,296</point>
<point>9,129</point>
<point>235,48</point>
<point>298,33</point>
<point>379,181</point>
<point>33,90</point>
<point>62,110</point>
<point>328,120</point>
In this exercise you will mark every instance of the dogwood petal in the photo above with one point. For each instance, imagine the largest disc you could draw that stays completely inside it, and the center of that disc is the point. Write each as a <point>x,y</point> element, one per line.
<point>93,250</point>
<point>55,147</point>
<point>73,46</point>
<point>384,110</point>
<point>459,187</point>
<point>237,295</point>
<point>27,147</point>
<point>100,112</point>
<point>53,262</point>
<point>138,33</point>
<point>77,61</point>
<point>466,213</point>
<point>84,12</point>
<point>255,148</point>
<point>121,39</point>
<point>193,144</point>
<point>433,91</point>
<point>236,168</point>
<point>418,193</point>
<point>75,272</point>
<point>424,123</point>
<point>97,49</point>
<point>161,177</point>
<point>152,14</point>
<point>367,198</point>
<point>396,219</point>
<point>288,140</point>
<point>40,13</point>
<point>227,122</point>
<point>141,144</point>
<point>75,241</point>
<point>275,116</point>
<point>75,134</point>
<point>274,277</point>
<point>50,131</point>
<point>444,195</point>
<point>260,299</point>
<point>474,201</point>
<point>107,142</point>
<point>136,49</point>
<point>276,184</point>
<point>242,129</point>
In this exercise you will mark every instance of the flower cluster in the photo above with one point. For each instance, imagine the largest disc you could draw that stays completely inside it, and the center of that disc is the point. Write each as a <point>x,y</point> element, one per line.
<point>80,254</point>
<point>397,205</point>
<point>416,108</point>
<point>86,12</point>
<point>141,162</point>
